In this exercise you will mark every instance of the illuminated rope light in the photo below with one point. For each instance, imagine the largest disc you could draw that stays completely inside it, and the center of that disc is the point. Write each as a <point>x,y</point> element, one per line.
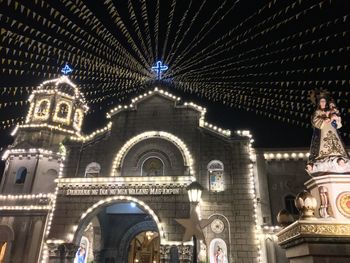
<point>125,179</point>
<point>253,194</point>
<point>26,207</point>
<point>158,68</point>
<point>9,152</point>
<point>45,253</point>
<point>93,134</point>
<point>202,110</point>
<point>25,197</point>
<point>286,155</point>
<point>45,125</point>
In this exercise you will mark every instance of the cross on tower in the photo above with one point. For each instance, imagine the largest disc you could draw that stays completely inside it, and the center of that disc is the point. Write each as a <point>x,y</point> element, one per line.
<point>66,70</point>
<point>159,68</point>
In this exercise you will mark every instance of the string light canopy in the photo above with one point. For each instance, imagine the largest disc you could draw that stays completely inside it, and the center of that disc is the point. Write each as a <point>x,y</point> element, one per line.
<point>269,58</point>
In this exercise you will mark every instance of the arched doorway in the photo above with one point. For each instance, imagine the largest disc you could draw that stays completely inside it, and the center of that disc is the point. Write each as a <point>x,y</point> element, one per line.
<point>144,248</point>
<point>118,231</point>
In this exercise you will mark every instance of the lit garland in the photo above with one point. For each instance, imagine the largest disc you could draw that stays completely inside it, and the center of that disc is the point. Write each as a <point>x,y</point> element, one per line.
<point>258,230</point>
<point>26,207</point>
<point>289,155</point>
<point>184,180</point>
<point>45,125</point>
<point>45,254</point>
<point>93,134</point>
<point>30,151</point>
<point>202,122</point>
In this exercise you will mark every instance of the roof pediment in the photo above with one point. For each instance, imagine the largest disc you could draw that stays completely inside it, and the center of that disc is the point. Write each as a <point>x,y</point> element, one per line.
<point>157,92</point>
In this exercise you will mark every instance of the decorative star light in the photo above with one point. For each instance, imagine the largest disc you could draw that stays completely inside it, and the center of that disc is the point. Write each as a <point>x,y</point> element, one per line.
<point>159,67</point>
<point>193,226</point>
<point>66,70</point>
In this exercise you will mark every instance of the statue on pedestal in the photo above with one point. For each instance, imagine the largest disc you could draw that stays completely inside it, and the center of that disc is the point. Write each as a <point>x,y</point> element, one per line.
<point>327,152</point>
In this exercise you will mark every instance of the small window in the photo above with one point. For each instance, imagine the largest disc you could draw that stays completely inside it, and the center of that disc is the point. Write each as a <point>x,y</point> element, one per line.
<point>63,111</point>
<point>21,175</point>
<point>152,166</point>
<point>92,170</point>
<point>290,204</point>
<point>216,176</point>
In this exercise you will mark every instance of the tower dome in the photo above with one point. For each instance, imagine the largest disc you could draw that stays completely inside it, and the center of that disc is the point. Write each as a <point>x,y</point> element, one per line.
<point>57,104</point>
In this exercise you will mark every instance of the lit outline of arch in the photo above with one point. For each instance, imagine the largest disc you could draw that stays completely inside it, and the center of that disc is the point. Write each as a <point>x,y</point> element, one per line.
<point>46,116</point>
<point>59,119</point>
<point>117,163</point>
<point>79,113</point>
<point>143,205</point>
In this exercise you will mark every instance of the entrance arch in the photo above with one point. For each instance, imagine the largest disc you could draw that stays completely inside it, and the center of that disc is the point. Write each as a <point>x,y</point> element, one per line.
<point>91,212</point>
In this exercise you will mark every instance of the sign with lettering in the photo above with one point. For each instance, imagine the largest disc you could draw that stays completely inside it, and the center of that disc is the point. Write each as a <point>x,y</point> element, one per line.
<point>124,191</point>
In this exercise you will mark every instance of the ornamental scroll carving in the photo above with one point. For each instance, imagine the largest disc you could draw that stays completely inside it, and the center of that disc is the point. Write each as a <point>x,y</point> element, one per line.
<point>326,230</point>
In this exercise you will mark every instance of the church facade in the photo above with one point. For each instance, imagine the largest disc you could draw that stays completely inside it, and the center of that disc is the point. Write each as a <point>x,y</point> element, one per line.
<point>114,195</point>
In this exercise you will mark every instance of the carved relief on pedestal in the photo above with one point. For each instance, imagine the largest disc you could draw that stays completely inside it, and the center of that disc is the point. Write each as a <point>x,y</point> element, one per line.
<point>325,209</point>
<point>303,228</point>
<point>184,252</point>
<point>343,203</point>
<point>65,250</point>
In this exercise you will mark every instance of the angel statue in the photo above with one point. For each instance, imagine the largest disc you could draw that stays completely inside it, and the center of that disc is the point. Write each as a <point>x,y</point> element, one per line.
<point>327,151</point>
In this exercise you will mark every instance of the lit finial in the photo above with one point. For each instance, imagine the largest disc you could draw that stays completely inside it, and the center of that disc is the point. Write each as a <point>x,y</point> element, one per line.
<point>66,70</point>
<point>159,68</point>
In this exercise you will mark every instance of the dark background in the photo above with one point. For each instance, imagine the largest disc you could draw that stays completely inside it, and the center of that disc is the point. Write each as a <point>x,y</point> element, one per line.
<point>239,93</point>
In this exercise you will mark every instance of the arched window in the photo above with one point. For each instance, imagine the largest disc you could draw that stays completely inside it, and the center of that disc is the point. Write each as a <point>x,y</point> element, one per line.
<point>21,175</point>
<point>42,110</point>
<point>290,204</point>
<point>152,166</point>
<point>63,110</point>
<point>78,119</point>
<point>92,170</point>
<point>216,176</point>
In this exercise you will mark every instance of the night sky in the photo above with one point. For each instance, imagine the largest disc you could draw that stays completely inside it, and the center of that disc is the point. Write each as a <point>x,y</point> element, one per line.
<point>255,65</point>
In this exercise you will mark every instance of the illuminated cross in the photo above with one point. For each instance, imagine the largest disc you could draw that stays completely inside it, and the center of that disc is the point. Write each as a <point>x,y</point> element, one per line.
<point>159,68</point>
<point>66,70</point>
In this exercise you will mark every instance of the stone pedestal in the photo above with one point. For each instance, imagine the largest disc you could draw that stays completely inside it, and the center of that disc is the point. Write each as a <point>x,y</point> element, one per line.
<point>336,189</point>
<point>316,241</point>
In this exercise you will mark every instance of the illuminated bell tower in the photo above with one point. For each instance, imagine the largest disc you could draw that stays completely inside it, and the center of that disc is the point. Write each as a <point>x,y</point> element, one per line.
<point>56,111</point>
